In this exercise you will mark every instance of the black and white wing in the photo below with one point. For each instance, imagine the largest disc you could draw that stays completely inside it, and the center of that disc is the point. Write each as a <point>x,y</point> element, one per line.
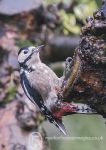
<point>36,98</point>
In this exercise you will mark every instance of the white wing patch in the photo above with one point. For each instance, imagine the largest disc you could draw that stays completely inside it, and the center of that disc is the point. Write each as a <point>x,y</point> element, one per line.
<point>27,94</point>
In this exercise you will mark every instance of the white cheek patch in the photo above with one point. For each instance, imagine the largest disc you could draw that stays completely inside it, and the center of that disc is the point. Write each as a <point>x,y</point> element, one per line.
<point>22,57</point>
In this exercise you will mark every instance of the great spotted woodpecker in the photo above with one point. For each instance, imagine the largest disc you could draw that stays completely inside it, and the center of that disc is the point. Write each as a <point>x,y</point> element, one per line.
<point>41,85</point>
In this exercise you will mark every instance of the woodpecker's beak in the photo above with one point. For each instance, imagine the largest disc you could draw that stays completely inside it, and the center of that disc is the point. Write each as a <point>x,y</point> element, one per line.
<point>38,48</point>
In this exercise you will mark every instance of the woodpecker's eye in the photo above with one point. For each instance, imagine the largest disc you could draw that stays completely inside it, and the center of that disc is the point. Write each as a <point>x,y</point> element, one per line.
<point>25,51</point>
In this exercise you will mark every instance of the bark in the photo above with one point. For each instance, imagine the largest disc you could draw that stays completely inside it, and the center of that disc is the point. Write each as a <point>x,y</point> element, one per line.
<point>90,86</point>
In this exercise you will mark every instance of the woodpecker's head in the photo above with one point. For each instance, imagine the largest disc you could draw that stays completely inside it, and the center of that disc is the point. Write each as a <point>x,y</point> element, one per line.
<point>29,55</point>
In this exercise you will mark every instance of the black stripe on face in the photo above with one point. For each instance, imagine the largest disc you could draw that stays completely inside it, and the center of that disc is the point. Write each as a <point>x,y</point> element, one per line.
<point>23,64</point>
<point>23,48</point>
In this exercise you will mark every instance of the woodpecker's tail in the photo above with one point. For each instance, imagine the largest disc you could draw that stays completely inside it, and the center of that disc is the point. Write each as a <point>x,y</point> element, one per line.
<point>59,124</point>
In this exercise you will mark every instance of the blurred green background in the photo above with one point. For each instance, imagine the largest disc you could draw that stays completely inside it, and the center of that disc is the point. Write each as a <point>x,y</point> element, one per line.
<point>79,128</point>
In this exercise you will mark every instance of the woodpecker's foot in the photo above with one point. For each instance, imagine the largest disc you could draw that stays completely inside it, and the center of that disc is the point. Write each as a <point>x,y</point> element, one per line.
<point>67,69</point>
<point>71,108</point>
<point>68,65</point>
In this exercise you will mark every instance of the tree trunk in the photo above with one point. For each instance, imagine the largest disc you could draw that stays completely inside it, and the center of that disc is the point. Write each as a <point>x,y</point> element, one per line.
<point>90,87</point>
